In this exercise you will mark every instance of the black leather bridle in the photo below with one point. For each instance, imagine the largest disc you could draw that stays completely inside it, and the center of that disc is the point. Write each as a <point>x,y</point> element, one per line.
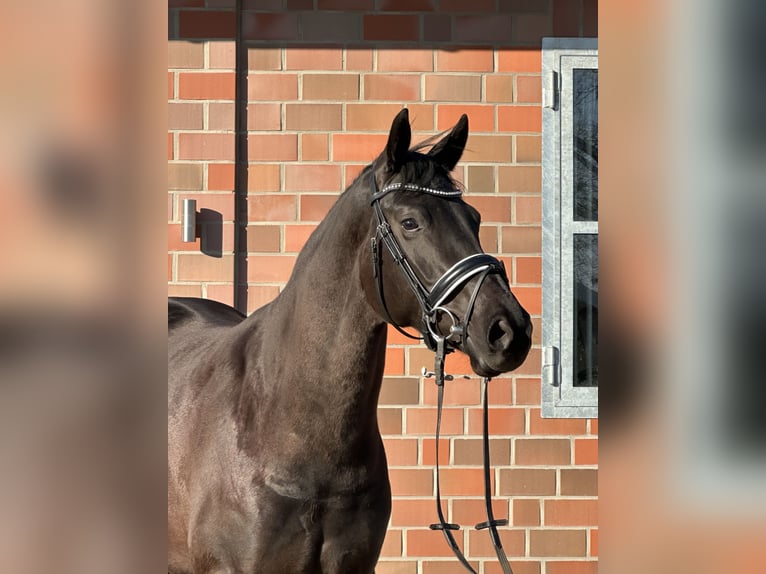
<point>431,302</point>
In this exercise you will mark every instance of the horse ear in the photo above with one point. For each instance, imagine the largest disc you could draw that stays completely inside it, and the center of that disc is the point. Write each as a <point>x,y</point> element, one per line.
<point>448,150</point>
<point>398,140</point>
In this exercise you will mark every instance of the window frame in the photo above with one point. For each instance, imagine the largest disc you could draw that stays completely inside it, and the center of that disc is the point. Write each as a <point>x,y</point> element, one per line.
<point>560,397</point>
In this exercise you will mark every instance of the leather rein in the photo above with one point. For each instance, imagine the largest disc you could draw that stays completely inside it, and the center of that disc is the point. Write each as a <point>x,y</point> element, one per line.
<point>432,305</point>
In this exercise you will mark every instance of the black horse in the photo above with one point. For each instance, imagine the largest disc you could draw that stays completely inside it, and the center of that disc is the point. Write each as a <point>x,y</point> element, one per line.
<point>275,460</point>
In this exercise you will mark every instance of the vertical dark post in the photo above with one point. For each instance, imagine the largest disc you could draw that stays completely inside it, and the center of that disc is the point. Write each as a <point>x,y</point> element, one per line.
<point>240,168</point>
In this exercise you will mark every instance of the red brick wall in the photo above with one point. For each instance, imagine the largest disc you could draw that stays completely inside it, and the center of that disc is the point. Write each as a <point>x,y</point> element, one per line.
<point>324,81</point>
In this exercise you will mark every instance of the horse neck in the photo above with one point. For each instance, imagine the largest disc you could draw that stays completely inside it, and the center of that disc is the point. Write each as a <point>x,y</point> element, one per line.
<point>322,345</point>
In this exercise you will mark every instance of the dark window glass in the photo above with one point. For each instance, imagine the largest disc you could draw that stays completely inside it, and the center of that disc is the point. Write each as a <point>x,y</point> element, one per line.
<point>585,310</point>
<point>585,144</point>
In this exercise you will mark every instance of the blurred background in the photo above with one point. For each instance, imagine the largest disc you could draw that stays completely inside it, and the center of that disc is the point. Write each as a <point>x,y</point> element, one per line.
<point>83,269</point>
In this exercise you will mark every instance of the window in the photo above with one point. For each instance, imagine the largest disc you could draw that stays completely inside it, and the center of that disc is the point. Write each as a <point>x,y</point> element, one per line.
<point>570,228</point>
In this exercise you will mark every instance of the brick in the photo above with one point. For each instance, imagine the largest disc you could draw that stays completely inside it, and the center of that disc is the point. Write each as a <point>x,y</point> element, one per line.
<point>461,392</point>
<point>263,238</point>
<point>483,29</point>
<point>593,426</point>
<point>220,116</point>
<point>519,60</point>
<point>175,290</point>
<point>279,87</point>
<point>314,147</point>
<point>269,26</point>
<point>406,60</point>
<point>465,60</point>
<point>531,28</point>
<point>427,543</point>
<point>492,208</point>
<point>428,451</point>
<point>480,544</point>
<point>392,544</point>
<point>399,391</point>
<point>527,392</point>
<point>346,5</point>
<point>223,203</point>
<point>171,85</point>
<point>481,178</point>
<point>222,293</point>
<point>359,58</point>
<point>520,179</point>
<point>529,89</point>
<point>517,239</point>
<point>313,177</point>
<point>222,55</point>
<point>185,54</point>
<point>586,451</point>
<point>270,268</point>
<point>472,510</point>
<point>397,87</point>
<point>313,117</point>
<point>528,270</point>
<point>488,238</point>
<point>185,176</point>
<point>296,236</point>
<point>199,267</point>
<point>525,567</point>
<point>451,88</point>
<point>264,117</point>
<point>519,119</point>
<point>406,5</point>
<point>523,5</point>
<point>498,89</point>
<point>206,86</point>
<point>566,18</point>
<point>207,24</point>
<point>411,481</point>
<point>528,149</point>
<point>206,146</point>
<point>263,5</point>
<point>401,451</point>
<point>571,512</point>
<point>457,364</point>
<point>263,177</point>
<point>488,148</point>
<point>571,567</point>
<point>331,27</point>
<point>594,542</point>
<point>186,3</point>
<point>315,207</point>
<point>394,362</point>
<point>330,86</point>
<point>259,295</point>
<point>590,18</point>
<point>271,208</point>
<point>390,422</point>
<point>313,59</point>
<point>502,421</point>
<point>527,482</point>
<point>354,147</point>
<point>423,421</point>
<point>370,117</point>
<point>541,426</point>
<point>448,566</point>
<point>528,210</point>
<point>557,542</point>
<point>526,512</point>
<point>174,240</point>
<point>273,147</point>
<point>437,28</point>
<point>471,6</point>
<point>396,567</point>
<point>391,27</point>
<point>531,299</point>
<point>264,59</point>
<point>408,512</point>
<point>579,482</point>
<point>480,118</point>
<point>470,451</point>
<point>352,171</point>
<point>548,452</point>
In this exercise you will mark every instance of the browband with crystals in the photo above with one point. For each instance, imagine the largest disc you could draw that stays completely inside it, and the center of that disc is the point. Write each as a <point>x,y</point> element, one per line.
<point>412,187</point>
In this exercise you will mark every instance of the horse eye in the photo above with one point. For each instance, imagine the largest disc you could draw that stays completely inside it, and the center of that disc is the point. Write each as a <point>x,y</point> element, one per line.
<point>410,224</point>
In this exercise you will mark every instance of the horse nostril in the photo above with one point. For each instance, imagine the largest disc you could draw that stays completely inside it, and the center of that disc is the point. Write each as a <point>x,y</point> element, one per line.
<point>500,334</point>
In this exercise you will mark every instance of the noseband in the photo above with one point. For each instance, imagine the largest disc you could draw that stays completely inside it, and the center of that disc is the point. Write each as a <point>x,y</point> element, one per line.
<point>431,301</point>
<point>431,304</point>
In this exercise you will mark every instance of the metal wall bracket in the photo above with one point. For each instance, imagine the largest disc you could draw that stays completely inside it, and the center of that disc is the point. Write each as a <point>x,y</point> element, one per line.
<point>551,90</point>
<point>551,366</point>
<point>189,221</point>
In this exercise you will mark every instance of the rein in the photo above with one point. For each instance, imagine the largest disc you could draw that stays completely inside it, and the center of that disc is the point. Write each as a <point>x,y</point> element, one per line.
<point>431,303</point>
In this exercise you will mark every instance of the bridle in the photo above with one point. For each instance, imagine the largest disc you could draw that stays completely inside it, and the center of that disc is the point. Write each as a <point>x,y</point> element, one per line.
<point>431,303</point>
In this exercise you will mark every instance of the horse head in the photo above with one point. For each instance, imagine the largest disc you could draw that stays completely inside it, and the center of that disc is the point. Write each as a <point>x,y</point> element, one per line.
<point>428,268</point>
